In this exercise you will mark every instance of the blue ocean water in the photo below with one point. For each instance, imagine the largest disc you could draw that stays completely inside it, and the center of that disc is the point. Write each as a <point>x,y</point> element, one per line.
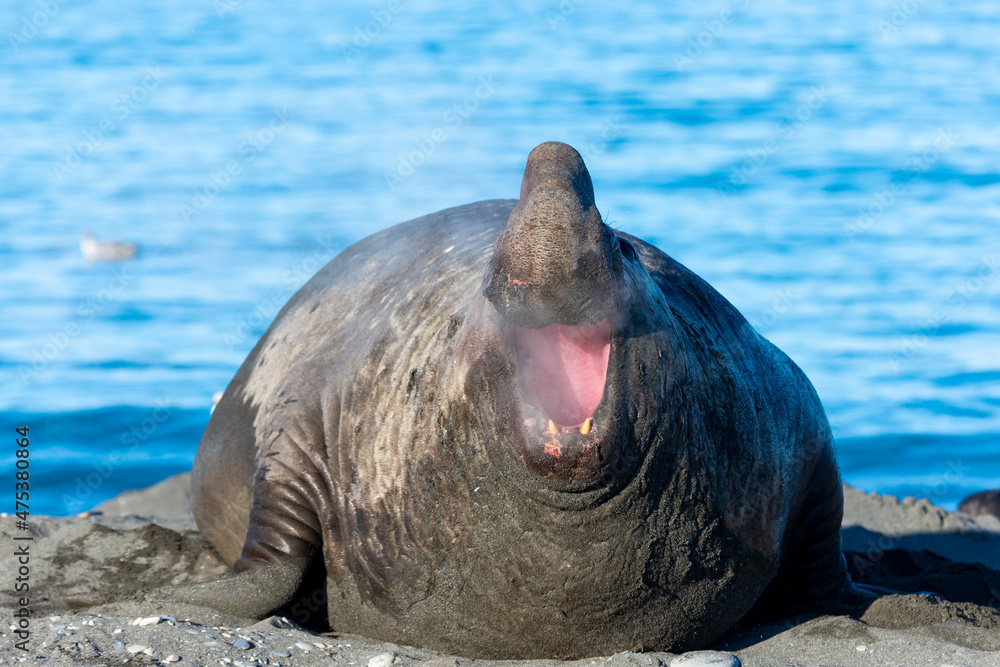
<point>831,168</point>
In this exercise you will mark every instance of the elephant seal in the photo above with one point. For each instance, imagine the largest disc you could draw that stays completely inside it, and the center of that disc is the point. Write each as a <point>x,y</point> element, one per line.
<point>981,502</point>
<point>507,430</point>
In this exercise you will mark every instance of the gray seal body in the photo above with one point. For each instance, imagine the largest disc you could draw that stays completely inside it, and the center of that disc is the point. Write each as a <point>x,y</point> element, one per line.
<point>508,431</point>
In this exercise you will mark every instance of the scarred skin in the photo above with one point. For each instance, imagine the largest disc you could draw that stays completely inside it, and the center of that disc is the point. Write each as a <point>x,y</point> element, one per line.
<point>378,426</point>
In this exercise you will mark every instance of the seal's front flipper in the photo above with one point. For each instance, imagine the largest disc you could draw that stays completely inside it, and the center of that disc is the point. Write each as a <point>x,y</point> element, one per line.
<point>283,539</point>
<point>253,593</point>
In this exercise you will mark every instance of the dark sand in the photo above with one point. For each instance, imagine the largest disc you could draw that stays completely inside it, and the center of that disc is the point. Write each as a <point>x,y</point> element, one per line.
<point>145,539</point>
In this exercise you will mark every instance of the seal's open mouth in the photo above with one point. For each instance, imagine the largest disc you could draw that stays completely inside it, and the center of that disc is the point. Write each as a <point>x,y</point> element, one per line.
<point>564,370</point>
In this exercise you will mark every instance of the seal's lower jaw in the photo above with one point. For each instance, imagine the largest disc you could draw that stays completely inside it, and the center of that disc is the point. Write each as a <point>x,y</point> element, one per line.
<point>570,432</point>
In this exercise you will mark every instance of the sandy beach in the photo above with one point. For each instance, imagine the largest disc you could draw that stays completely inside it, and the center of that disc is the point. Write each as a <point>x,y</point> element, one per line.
<point>949,564</point>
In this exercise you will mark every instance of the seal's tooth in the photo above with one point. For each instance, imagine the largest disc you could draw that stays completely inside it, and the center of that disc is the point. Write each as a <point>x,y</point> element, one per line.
<point>553,429</point>
<point>585,428</point>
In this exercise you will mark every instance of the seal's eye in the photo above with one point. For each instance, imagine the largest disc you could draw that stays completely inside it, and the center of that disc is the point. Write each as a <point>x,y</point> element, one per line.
<point>628,252</point>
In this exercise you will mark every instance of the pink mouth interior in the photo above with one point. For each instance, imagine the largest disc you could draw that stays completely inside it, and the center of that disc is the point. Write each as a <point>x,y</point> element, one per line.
<point>565,368</point>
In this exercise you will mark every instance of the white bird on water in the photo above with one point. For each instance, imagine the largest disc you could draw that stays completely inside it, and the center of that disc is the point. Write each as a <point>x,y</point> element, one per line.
<point>105,251</point>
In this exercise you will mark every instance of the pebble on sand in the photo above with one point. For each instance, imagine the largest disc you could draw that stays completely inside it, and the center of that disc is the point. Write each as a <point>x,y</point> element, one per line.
<point>152,620</point>
<point>705,659</point>
<point>382,659</point>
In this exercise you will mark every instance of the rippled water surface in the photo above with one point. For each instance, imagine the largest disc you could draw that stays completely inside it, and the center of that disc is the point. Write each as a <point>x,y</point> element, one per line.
<point>832,169</point>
